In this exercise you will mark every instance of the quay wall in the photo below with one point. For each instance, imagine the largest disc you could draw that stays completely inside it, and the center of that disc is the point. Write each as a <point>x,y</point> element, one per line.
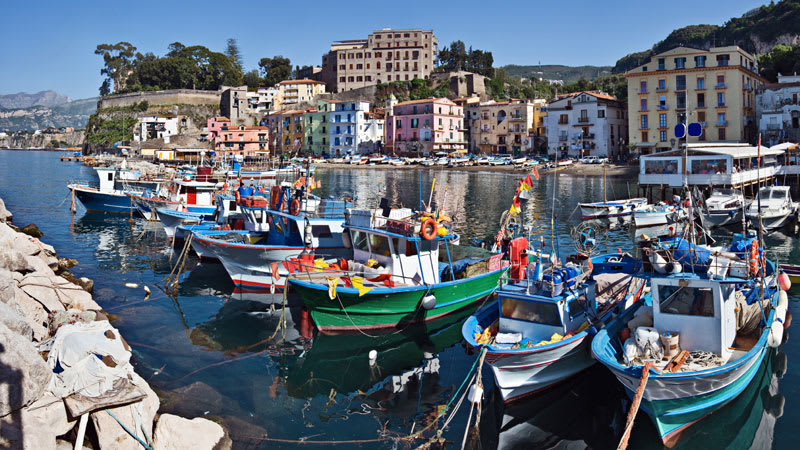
<point>45,309</point>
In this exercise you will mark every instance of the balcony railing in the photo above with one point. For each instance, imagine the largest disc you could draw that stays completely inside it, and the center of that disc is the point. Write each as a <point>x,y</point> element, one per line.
<point>701,104</point>
<point>661,89</point>
<point>643,91</point>
<point>562,137</point>
<point>583,119</point>
<point>721,105</point>
<point>722,123</point>
<point>663,107</point>
<point>720,86</point>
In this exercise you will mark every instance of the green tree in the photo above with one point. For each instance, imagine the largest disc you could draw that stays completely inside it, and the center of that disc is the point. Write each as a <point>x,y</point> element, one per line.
<point>252,79</point>
<point>275,69</point>
<point>782,59</point>
<point>119,60</point>
<point>233,53</point>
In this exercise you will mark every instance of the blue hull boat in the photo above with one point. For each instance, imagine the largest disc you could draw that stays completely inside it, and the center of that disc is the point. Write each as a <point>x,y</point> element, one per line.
<point>107,202</point>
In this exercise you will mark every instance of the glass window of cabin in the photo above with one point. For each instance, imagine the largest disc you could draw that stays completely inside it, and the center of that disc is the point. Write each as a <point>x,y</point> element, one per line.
<point>538,312</point>
<point>686,300</point>
<point>380,245</point>
<point>577,306</point>
<point>360,240</point>
<point>321,231</point>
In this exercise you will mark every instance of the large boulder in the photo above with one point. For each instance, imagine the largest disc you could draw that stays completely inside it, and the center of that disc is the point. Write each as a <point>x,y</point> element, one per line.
<point>23,372</point>
<point>177,433</point>
<point>14,321</point>
<point>34,314</point>
<point>37,425</point>
<point>44,289</point>
<point>5,215</point>
<point>111,436</point>
<point>31,230</point>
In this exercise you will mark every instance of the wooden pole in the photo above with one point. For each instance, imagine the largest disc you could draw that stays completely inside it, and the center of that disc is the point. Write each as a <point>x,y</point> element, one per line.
<point>637,400</point>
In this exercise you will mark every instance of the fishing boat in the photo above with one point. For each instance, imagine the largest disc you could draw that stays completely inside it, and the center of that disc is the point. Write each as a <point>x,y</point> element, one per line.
<point>792,271</point>
<point>175,222</point>
<point>110,195</point>
<point>700,334</point>
<point>254,256</point>
<point>538,331</point>
<point>772,208</point>
<point>615,208</point>
<point>653,215</point>
<point>396,274</point>
<point>724,207</point>
<point>458,162</point>
<point>185,195</point>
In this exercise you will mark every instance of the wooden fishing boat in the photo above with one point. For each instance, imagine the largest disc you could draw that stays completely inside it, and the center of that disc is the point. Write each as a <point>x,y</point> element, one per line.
<point>184,195</point>
<point>793,271</point>
<point>538,331</point>
<point>713,320</point>
<point>396,275</point>
<point>110,195</point>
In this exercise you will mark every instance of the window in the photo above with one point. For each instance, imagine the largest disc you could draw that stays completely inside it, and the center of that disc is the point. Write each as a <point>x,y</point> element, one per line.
<point>662,84</point>
<point>721,134</point>
<point>358,78</point>
<point>680,82</point>
<point>701,100</point>
<point>661,64</point>
<point>378,65</point>
<point>720,99</point>
<point>701,83</point>
<point>662,102</point>
<point>415,123</point>
<point>359,238</point>
<point>601,113</point>
<point>538,312</point>
<point>701,116</point>
<point>720,82</point>
<point>680,63</point>
<point>644,136</point>
<point>342,67</point>
<point>577,306</point>
<point>398,124</point>
<point>359,66</point>
<point>368,77</point>
<point>662,121</point>
<point>721,119</point>
<point>643,87</point>
<point>723,60</point>
<point>643,122</point>
<point>662,136</point>
<point>700,61</point>
<point>379,245</point>
<point>341,79</point>
<point>685,300</point>
<point>680,98</point>
<point>643,104</point>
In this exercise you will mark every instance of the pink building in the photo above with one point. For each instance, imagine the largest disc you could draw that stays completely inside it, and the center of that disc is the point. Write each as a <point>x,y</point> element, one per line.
<point>425,126</point>
<point>215,125</point>
<point>242,140</point>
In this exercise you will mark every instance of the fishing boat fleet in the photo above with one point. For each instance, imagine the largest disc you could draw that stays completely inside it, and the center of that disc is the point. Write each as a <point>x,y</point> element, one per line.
<point>683,325</point>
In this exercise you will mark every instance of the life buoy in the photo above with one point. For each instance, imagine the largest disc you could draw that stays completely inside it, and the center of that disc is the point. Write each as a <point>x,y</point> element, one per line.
<point>274,198</point>
<point>754,258</point>
<point>429,228</point>
<point>294,207</point>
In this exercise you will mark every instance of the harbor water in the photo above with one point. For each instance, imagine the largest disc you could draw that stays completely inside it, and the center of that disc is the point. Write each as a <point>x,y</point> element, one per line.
<point>211,352</point>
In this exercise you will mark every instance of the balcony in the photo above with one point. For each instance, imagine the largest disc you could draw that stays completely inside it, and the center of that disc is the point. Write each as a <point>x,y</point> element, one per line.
<point>645,109</point>
<point>721,105</point>
<point>720,86</point>
<point>661,89</point>
<point>583,120</point>
<point>563,122</point>
<point>774,126</point>
<point>563,137</point>
<point>643,91</point>
<point>663,107</point>
<point>722,123</point>
<point>748,87</point>
<point>644,127</point>
<point>701,104</point>
<point>680,87</point>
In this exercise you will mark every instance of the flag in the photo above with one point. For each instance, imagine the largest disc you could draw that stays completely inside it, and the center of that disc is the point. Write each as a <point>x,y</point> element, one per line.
<point>514,210</point>
<point>525,184</point>
<point>535,172</point>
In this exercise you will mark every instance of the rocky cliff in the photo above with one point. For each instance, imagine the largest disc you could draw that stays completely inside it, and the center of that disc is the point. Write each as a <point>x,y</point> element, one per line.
<point>43,140</point>
<point>73,114</point>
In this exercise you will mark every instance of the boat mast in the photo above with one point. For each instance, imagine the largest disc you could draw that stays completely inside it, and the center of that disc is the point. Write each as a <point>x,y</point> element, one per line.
<point>604,184</point>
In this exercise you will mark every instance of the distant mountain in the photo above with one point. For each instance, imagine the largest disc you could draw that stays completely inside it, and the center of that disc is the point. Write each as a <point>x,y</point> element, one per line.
<point>24,100</point>
<point>756,31</point>
<point>567,74</point>
<point>65,114</point>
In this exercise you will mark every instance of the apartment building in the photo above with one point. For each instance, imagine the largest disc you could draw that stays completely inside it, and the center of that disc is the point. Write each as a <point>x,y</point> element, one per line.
<point>778,111</point>
<point>317,140</point>
<point>714,87</point>
<point>386,55</point>
<point>587,123</point>
<point>502,127</point>
<point>156,127</point>
<point>292,93</point>
<point>286,131</point>
<point>424,126</point>
<point>262,100</point>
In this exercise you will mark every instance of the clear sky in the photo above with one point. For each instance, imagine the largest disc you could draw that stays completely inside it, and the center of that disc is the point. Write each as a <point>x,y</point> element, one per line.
<point>49,44</point>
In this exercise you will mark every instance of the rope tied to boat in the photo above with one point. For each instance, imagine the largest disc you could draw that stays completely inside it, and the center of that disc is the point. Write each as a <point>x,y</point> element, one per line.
<point>637,400</point>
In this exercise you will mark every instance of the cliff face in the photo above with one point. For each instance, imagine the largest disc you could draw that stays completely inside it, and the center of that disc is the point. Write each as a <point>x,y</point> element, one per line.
<point>44,140</point>
<point>25,100</point>
<point>73,114</point>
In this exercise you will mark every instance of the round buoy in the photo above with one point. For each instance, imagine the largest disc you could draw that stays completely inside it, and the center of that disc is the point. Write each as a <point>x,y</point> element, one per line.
<point>475,393</point>
<point>784,282</point>
<point>429,302</point>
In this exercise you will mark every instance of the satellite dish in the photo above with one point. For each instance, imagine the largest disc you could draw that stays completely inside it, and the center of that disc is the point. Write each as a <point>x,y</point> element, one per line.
<point>680,130</point>
<point>695,129</point>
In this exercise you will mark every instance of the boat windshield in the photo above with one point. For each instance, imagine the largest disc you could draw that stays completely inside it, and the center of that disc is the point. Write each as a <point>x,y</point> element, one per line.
<point>720,191</point>
<point>766,193</point>
<point>538,312</point>
<point>686,300</point>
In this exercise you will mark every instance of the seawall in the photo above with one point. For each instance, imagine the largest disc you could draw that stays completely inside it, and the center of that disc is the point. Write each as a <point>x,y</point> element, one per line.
<point>65,371</point>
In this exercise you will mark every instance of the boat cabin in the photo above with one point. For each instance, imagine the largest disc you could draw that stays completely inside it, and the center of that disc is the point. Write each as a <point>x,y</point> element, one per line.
<point>282,228</point>
<point>701,311</point>
<point>199,193</point>
<point>562,314</point>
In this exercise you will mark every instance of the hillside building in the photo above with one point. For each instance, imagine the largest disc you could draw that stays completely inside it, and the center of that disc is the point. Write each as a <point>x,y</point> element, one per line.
<point>386,55</point>
<point>778,111</point>
<point>715,87</point>
<point>588,123</point>
<point>502,127</point>
<point>422,127</point>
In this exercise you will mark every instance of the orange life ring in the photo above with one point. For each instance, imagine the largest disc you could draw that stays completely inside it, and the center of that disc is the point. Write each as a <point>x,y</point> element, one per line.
<point>294,207</point>
<point>429,229</point>
<point>754,258</point>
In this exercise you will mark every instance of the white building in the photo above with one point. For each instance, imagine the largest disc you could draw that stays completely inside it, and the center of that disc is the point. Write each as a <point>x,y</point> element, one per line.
<point>586,123</point>
<point>155,127</point>
<point>262,100</point>
<point>348,127</point>
<point>778,111</point>
<point>370,139</point>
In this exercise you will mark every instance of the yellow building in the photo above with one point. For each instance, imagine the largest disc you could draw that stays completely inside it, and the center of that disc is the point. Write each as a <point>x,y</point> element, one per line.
<point>714,87</point>
<point>505,127</point>
<point>293,92</point>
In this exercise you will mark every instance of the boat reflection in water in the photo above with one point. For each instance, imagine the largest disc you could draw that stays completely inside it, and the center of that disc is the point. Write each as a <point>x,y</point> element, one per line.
<point>589,411</point>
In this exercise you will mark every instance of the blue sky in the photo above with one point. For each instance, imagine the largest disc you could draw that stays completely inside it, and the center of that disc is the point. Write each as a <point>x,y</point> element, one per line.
<point>50,44</point>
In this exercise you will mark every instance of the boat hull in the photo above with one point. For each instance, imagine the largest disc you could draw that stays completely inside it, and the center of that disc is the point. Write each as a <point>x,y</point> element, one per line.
<point>724,217</point>
<point>386,308</point>
<point>610,209</point>
<point>769,222</point>
<point>171,220</point>
<point>106,202</point>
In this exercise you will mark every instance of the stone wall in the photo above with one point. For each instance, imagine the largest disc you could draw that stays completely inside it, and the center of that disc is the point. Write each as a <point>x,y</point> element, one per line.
<point>169,97</point>
<point>365,94</point>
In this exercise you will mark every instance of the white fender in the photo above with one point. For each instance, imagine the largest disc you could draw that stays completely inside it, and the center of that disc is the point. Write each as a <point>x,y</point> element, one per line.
<point>662,266</point>
<point>775,334</point>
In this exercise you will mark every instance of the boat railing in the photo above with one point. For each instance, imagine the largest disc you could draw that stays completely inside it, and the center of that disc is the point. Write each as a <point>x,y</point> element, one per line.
<point>318,269</point>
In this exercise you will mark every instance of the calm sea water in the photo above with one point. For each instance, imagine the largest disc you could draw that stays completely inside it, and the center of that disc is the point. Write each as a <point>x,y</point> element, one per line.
<point>209,353</point>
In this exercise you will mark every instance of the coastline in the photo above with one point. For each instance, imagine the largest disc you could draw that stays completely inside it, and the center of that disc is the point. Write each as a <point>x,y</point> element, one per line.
<point>577,169</point>
<point>65,371</point>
